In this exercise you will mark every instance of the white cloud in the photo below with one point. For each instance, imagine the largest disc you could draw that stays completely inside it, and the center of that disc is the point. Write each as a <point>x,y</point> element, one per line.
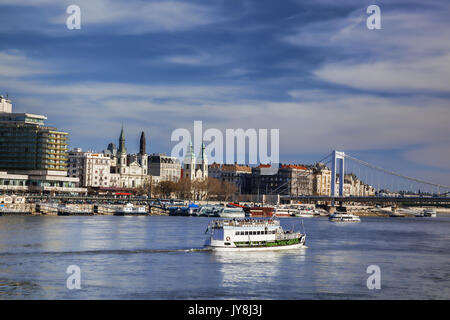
<point>199,59</point>
<point>436,155</point>
<point>132,16</point>
<point>422,74</point>
<point>14,64</point>
<point>410,53</point>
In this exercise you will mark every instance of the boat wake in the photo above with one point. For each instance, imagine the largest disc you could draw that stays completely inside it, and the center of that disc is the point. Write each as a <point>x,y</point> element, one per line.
<point>99,252</point>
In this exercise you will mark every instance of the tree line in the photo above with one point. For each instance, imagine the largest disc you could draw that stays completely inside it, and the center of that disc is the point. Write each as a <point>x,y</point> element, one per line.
<point>208,189</point>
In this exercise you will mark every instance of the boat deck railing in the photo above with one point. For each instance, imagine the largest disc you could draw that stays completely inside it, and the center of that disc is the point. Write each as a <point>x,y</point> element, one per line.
<point>287,236</point>
<point>244,223</point>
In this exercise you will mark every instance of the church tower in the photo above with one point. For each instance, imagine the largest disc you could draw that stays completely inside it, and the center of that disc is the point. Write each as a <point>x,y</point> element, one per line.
<point>189,163</point>
<point>142,144</point>
<point>203,163</point>
<point>142,156</point>
<point>122,153</point>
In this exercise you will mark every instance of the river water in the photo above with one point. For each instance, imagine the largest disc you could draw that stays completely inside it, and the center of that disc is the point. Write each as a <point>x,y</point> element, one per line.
<point>159,257</point>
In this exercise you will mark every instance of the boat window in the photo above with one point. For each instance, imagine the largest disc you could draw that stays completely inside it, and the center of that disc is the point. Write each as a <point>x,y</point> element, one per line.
<point>246,233</point>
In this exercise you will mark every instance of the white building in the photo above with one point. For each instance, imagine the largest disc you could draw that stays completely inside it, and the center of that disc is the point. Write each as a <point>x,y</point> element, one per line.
<point>131,170</point>
<point>164,168</point>
<point>5,105</point>
<point>93,169</point>
<point>111,168</point>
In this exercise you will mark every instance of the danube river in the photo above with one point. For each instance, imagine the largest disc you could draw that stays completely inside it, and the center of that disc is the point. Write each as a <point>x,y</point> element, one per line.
<point>156,257</point>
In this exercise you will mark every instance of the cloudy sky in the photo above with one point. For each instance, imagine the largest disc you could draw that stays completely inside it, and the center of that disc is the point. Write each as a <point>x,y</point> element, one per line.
<point>310,68</point>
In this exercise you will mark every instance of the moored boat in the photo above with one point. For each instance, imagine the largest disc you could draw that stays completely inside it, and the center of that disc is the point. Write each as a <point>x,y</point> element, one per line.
<point>259,212</point>
<point>300,210</point>
<point>281,212</point>
<point>251,235</point>
<point>227,212</point>
<point>130,209</point>
<point>344,217</point>
<point>430,213</point>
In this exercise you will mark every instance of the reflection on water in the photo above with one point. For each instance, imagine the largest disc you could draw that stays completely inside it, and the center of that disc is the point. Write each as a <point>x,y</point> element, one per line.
<point>253,268</point>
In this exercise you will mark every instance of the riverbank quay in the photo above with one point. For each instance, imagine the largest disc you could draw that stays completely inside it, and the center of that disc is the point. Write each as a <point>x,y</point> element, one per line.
<point>54,209</point>
<point>87,209</point>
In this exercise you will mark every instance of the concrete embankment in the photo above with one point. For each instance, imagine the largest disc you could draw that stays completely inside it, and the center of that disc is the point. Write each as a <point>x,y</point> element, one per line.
<point>50,209</point>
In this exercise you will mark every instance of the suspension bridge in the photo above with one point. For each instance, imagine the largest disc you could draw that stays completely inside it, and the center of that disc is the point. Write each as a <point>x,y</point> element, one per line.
<point>355,180</point>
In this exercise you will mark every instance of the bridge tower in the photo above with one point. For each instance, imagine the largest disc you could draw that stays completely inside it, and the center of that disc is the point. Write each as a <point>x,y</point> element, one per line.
<point>337,157</point>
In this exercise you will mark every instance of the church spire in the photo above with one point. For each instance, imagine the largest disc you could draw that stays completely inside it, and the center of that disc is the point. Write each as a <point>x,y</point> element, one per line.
<point>122,148</point>
<point>203,157</point>
<point>142,144</point>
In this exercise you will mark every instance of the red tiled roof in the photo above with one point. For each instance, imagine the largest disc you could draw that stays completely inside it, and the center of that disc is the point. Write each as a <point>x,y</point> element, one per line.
<point>293,166</point>
<point>235,167</point>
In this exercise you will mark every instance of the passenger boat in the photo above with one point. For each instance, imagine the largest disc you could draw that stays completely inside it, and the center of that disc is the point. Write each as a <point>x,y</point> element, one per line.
<point>130,210</point>
<point>227,212</point>
<point>8,211</point>
<point>281,212</point>
<point>300,210</point>
<point>259,212</point>
<point>251,235</point>
<point>343,217</point>
<point>306,212</point>
<point>209,211</point>
<point>186,211</point>
<point>427,213</point>
<point>397,215</point>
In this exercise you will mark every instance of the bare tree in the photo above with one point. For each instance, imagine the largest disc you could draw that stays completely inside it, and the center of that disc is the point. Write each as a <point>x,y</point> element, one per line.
<point>145,189</point>
<point>165,189</point>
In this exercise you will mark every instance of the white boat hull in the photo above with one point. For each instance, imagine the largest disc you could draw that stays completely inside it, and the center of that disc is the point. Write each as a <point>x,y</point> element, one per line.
<point>232,215</point>
<point>240,249</point>
<point>217,245</point>
<point>344,218</point>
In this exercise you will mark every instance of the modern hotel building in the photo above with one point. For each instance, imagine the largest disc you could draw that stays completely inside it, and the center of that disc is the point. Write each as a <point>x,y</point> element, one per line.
<point>33,157</point>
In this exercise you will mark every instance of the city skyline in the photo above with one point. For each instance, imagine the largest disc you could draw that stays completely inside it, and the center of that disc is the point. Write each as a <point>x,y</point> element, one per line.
<point>311,69</point>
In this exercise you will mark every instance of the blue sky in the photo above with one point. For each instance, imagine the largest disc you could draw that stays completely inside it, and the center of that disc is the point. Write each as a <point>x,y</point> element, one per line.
<point>310,68</point>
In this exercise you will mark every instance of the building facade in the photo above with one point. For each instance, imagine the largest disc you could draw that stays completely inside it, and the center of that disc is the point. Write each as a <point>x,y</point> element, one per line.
<point>26,144</point>
<point>93,169</point>
<point>288,180</point>
<point>195,169</point>
<point>232,173</point>
<point>354,187</point>
<point>128,170</point>
<point>164,168</point>
<point>33,154</point>
<point>321,180</point>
